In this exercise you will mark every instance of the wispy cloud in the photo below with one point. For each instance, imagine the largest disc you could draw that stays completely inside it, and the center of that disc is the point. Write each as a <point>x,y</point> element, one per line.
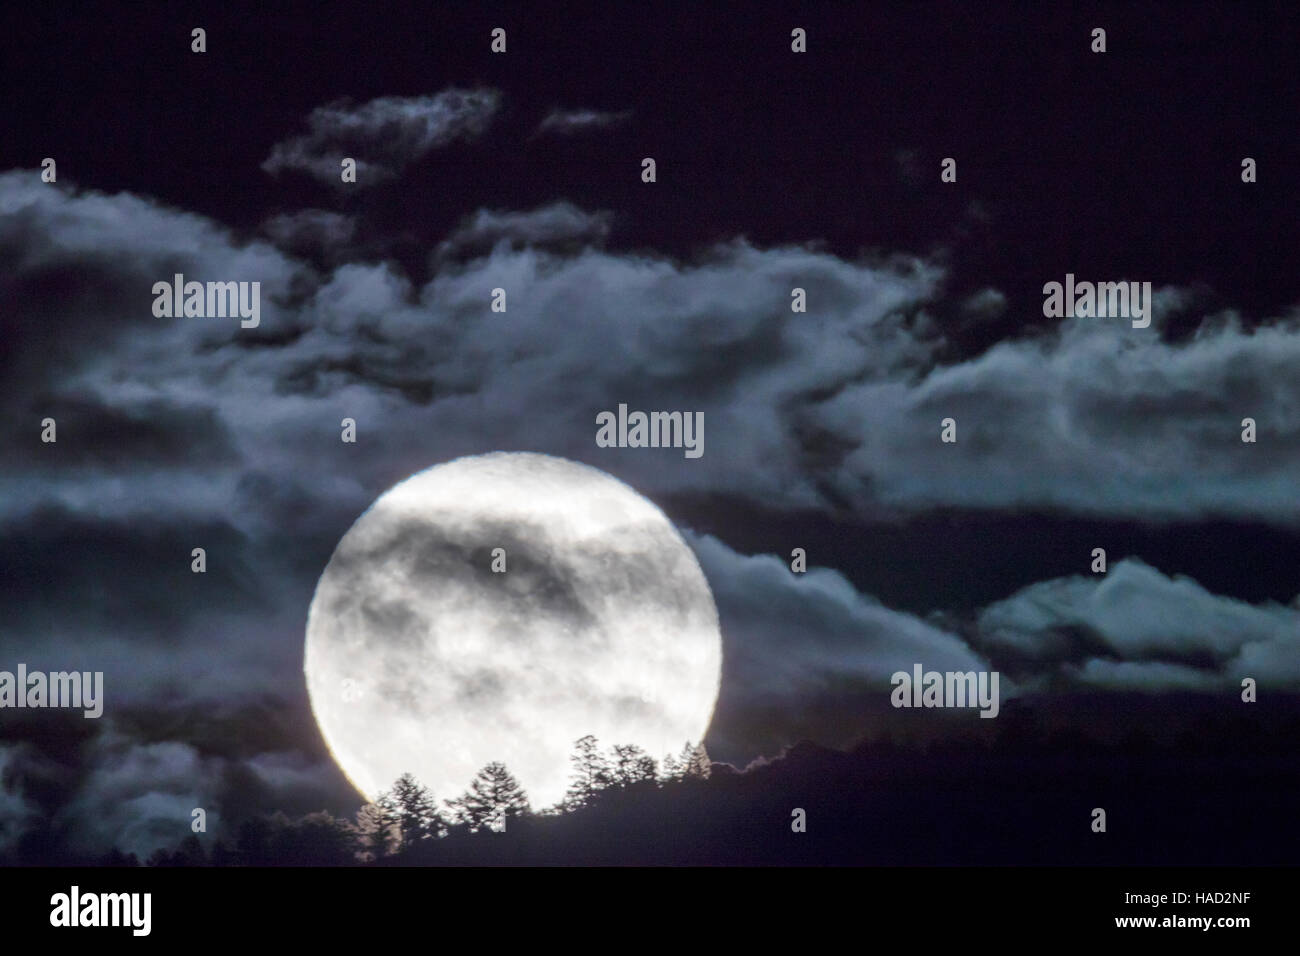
<point>383,135</point>
<point>554,224</point>
<point>567,122</point>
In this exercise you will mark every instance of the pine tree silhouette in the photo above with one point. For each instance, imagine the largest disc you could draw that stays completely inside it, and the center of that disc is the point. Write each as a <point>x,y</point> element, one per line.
<point>374,830</point>
<point>493,799</point>
<point>670,769</point>
<point>632,765</point>
<point>591,773</point>
<point>412,810</point>
<point>695,762</point>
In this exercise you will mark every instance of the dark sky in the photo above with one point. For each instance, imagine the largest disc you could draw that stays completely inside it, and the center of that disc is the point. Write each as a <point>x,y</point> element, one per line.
<point>522,170</point>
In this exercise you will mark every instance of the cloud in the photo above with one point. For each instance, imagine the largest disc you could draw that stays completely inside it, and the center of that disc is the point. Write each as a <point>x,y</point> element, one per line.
<point>838,408</point>
<point>139,796</point>
<point>1135,628</point>
<point>310,231</point>
<point>832,410</point>
<point>808,656</point>
<point>557,224</point>
<point>568,122</point>
<point>384,135</point>
<point>985,304</point>
<point>74,787</point>
<point>1092,418</point>
<point>17,813</point>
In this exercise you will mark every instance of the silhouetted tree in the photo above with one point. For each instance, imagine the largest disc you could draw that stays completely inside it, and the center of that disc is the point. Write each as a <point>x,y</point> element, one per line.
<point>695,762</point>
<point>412,809</point>
<point>632,765</point>
<point>670,769</point>
<point>374,831</point>
<point>494,798</point>
<point>316,839</point>
<point>591,772</point>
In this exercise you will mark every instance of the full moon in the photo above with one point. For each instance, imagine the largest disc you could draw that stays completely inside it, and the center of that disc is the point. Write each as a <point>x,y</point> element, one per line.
<point>498,608</point>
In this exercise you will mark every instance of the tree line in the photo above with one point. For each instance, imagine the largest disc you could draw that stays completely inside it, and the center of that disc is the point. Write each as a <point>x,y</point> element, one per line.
<point>406,818</point>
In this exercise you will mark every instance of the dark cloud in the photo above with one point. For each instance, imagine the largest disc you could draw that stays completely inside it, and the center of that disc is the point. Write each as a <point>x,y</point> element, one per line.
<point>808,655</point>
<point>147,433</point>
<point>310,232</point>
<point>838,407</point>
<point>132,778</point>
<point>17,813</point>
<point>73,571</point>
<point>177,433</point>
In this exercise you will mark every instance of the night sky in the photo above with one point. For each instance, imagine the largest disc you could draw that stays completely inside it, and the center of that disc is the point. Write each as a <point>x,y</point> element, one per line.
<point>775,170</point>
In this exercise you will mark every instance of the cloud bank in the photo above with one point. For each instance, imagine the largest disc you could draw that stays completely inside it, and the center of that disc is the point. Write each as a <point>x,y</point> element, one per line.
<point>179,433</point>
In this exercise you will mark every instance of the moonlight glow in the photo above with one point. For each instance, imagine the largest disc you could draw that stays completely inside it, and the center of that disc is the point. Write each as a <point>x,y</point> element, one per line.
<point>421,658</point>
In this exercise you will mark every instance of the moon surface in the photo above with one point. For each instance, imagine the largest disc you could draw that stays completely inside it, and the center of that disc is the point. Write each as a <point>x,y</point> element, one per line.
<point>421,658</point>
